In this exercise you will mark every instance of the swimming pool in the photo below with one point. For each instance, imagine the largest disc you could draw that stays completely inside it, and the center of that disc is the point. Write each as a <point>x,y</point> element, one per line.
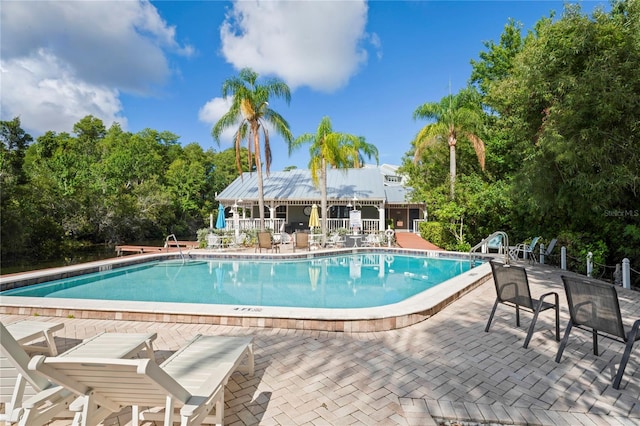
<point>338,281</point>
<point>409,311</point>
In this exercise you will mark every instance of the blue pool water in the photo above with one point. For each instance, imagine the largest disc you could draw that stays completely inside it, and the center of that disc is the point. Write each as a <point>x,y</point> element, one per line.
<point>345,281</point>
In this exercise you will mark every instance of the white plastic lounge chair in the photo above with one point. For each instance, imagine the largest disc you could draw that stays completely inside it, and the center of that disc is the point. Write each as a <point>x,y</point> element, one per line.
<point>193,380</point>
<point>214,241</point>
<point>527,250</point>
<point>238,241</point>
<point>496,244</point>
<point>371,240</point>
<point>336,241</point>
<point>28,331</point>
<point>33,400</point>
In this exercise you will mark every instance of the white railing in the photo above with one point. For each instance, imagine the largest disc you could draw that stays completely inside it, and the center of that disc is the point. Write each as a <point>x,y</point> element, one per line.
<point>416,225</point>
<point>368,225</point>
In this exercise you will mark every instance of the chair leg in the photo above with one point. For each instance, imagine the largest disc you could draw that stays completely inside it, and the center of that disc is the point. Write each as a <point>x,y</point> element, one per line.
<point>631,338</point>
<point>565,339</point>
<point>493,311</point>
<point>517,316</point>
<point>594,334</point>
<point>557,317</point>
<point>532,325</point>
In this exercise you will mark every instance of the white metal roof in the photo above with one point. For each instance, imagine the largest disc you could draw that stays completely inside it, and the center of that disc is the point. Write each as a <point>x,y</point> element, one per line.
<point>366,183</point>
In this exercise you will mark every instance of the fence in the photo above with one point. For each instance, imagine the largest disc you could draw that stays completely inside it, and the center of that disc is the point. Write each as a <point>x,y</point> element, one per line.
<point>621,272</point>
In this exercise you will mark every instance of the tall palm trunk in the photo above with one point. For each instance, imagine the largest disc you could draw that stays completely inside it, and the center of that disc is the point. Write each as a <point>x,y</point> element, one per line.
<point>255,127</point>
<point>323,201</point>
<point>452,162</point>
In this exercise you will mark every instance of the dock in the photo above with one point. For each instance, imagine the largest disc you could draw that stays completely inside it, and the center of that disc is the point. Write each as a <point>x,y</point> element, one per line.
<point>171,246</point>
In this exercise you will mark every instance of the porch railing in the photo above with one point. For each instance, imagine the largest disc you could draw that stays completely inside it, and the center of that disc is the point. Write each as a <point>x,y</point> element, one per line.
<point>368,225</point>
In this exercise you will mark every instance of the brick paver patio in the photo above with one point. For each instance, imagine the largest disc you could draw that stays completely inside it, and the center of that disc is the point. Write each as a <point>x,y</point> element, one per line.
<point>445,368</point>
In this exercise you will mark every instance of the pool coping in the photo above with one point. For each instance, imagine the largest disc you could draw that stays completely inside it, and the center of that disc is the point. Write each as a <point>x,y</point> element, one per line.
<point>398,315</point>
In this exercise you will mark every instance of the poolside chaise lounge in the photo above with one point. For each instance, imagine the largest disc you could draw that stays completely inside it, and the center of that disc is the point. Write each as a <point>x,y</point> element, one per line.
<point>193,380</point>
<point>29,397</point>
<point>27,331</point>
<point>594,307</point>
<point>512,289</point>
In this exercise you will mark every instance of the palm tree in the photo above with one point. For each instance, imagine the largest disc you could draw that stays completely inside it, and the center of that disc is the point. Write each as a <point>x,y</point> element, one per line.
<point>452,116</point>
<point>356,148</point>
<point>250,112</point>
<point>329,148</point>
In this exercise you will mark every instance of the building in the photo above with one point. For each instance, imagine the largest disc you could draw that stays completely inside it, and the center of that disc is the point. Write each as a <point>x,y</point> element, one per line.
<point>374,197</point>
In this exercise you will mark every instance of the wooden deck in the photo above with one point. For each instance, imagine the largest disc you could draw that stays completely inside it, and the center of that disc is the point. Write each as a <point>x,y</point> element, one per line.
<point>120,250</point>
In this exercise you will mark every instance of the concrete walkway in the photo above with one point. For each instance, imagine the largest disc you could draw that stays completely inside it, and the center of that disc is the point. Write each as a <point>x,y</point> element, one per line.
<point>445,368</point>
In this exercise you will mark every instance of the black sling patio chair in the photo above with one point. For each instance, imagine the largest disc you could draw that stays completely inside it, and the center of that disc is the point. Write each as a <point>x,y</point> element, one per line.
<point>594,307</point>
<point>512,288</point>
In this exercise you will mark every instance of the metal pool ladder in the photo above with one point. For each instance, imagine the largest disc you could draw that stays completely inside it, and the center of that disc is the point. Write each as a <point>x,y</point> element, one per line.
<point>166,244</point>
<point>503,249</point>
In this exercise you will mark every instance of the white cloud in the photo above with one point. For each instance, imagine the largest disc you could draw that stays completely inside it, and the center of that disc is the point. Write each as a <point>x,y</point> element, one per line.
<point>74,58</point>
<point>212,111</point>
<point>306,43</point>
<point>45,93</point>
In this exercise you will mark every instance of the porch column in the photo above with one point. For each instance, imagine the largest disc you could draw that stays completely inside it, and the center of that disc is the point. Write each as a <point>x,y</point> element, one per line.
<point>272,214</point>
<point>382,225</point>
<point>236,222</point>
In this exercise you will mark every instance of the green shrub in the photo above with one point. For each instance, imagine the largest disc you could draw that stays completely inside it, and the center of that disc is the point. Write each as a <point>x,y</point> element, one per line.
<point>578,246</point>
<point>438,234</point>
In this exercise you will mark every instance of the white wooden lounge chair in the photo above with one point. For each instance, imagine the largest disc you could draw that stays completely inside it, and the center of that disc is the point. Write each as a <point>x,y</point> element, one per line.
<point>28,331</point>
<point>193,380</point>
<point>29,397</point>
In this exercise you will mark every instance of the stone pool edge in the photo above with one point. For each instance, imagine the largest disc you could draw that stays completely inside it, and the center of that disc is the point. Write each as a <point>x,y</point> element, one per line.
<point>398,315</point>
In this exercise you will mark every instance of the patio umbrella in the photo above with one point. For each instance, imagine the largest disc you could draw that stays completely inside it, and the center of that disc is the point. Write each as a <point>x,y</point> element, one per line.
<point>221,222</point>
<point>314,219</point>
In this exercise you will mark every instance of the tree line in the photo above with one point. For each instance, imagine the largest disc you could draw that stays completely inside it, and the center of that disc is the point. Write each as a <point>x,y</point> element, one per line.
<point>102,185</point>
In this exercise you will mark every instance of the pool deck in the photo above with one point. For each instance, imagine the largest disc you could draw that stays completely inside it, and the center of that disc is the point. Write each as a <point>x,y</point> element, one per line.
<point>445,368</point>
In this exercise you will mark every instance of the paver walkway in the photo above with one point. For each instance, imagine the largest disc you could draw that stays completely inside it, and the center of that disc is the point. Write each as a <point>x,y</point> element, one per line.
<point>446,367</point>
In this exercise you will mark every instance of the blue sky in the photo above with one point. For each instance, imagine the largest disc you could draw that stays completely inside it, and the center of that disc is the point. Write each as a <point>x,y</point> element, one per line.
<point>161,65</point>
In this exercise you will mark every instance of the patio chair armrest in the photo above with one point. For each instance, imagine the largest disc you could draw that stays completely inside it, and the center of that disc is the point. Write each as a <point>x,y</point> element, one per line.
<point>555,294</point>
<point>635,331</point>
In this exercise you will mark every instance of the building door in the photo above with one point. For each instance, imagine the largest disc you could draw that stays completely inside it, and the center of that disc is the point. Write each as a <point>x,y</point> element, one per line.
<point>414,214</point>
<point>399,217</point>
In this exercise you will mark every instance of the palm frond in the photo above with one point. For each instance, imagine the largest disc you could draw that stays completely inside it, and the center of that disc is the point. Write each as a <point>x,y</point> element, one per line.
<point>267,150</point>
<point>478,146</point>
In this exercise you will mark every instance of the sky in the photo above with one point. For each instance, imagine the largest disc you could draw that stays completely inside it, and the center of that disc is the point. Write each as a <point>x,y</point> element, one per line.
<point>161,64</point>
